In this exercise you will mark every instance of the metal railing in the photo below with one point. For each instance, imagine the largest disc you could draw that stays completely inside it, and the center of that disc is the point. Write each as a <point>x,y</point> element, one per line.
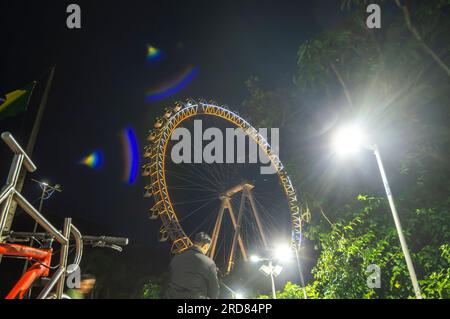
<point>10,194</point>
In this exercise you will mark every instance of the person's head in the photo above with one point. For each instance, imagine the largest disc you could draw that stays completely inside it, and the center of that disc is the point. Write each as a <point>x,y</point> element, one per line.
<point>202,241</point>
<point>87,282</point>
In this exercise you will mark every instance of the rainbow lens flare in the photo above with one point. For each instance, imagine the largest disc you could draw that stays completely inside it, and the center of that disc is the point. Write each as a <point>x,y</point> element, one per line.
<point>131,155</point>
<point>153,54</point>
<point>93,160</point>
<point>174,86</point>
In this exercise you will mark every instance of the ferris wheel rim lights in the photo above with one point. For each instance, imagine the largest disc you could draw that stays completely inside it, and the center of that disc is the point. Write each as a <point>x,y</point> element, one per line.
<point>155,169</point>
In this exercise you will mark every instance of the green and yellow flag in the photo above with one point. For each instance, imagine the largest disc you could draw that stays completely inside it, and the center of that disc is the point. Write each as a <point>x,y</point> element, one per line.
<point>16,102</point>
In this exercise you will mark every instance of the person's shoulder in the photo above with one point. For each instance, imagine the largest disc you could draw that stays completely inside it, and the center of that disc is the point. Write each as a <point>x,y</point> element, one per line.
<point>194,253</point>
<point>185,255</point>
<point>207,260</point>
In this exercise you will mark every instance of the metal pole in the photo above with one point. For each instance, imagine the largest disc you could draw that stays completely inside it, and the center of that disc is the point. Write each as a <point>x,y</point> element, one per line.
<point>256,214</point>
<point>63,257</point>
<point>300,272</point>
<point>237,235</point>
<point>234,222</point>
<point>13,177</point>
<point>41,202</point>
<point>409,263</point>
<point>216,231</point>
<point>30,147</point>
<point>33,213</point>
<point>25,266</point>
<point>274,293</point>
<point>6,192</point>
<point>56,277</point>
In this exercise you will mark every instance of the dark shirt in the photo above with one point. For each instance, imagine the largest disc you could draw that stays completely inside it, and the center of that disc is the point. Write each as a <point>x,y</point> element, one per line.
<point>193,275</point>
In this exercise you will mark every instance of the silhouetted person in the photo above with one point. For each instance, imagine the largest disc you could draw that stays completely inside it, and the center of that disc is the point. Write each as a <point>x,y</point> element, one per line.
<point>193,275</point>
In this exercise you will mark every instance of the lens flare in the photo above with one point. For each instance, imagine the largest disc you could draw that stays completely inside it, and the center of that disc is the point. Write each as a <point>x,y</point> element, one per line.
<point>130,155</point>
<point>93,160</point>
<point>174,86</point>
<point>153,54</point>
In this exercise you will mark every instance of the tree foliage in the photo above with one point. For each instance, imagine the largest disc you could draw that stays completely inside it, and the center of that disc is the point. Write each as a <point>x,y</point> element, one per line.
<point>151,290</point>
<point>365,236</point>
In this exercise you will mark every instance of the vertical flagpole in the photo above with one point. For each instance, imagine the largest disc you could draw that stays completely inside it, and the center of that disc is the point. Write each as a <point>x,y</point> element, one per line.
<point>28,104</point>
<point>39,115</point>
<point>30,147</point>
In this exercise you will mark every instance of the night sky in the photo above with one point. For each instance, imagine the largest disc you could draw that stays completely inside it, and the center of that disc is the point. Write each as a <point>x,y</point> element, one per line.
<point>102,75</point>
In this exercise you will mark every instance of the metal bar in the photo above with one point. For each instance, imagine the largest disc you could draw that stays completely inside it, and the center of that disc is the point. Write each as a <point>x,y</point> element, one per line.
<point>56,276</point>
<point>29,149</point>
<point>30,210</point>
<point>236,189</point>
<point>300,272</point>
<point>274,292</point>
<point>24,283</point>
<point>216,231</point>
<point>17,149</point>
<point>78,246</point>
<point>28,234</point>
<point>24,251</point>
<point>25,266</point>
<point>255,213</point>
<point>236,235</point>
<point>63,257</point>
<point>12,180</point>
<point>409,263</point>
<point>40,113</point>
<point>233,221</point>
<point>5,193</point>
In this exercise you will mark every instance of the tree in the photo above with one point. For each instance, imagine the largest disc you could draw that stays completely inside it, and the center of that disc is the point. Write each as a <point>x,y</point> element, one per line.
<point>366,236</point>
<point>437,284</point>
<point>293,291</point>
<point>398,83</point>
<point>431,12</point>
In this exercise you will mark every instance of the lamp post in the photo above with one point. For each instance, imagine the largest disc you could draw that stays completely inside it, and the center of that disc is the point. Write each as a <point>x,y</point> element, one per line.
<point>272,278</point>
<point>282,253</point>
<point>44,187</point>
<point>398,225</point>
<point>349,140</point>
<point>272,271</point>
<point>297,257</point>
<point>47,192</point>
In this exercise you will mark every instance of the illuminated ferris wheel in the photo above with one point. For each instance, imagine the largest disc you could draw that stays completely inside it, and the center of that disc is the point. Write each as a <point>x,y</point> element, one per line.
<point>181,191</point>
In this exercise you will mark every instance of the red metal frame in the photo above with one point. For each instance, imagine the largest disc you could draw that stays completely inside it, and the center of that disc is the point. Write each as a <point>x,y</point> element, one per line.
<point>41,268</point>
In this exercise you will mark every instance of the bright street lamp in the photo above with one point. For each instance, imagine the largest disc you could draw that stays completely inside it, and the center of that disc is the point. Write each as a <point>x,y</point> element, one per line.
<point>283,253</point>
<point>271,271</point>
<point>239,295</point>
<point>349,140</point>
